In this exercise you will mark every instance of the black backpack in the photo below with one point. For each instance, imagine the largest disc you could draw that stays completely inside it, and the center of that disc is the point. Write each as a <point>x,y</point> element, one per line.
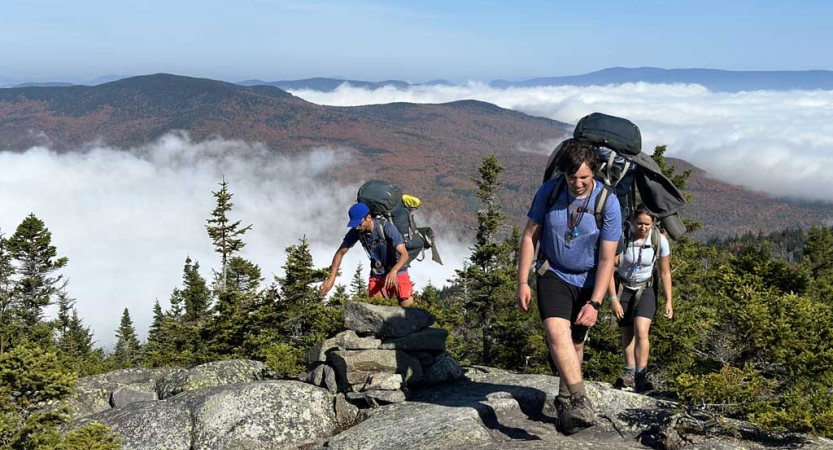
<point>615,133</point>
<point>385,203</point>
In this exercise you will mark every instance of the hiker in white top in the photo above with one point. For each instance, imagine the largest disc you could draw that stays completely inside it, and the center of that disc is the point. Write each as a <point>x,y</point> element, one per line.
<point>633,292</point>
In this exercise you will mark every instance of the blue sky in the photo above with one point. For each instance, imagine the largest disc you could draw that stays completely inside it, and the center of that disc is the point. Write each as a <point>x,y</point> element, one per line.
<point>414,41</point>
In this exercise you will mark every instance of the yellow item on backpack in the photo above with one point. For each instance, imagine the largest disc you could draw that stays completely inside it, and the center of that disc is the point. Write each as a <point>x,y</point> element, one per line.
<point>411,202</point>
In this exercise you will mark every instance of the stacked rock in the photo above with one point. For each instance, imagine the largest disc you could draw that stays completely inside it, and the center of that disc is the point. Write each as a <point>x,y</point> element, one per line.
<point>384,350</point>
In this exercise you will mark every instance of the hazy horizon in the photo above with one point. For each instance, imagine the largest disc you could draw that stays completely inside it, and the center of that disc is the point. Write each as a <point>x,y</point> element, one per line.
<point>100,79</point>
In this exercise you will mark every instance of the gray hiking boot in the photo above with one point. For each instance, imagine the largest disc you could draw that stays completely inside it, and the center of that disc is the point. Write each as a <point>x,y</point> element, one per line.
<point>562,404</point>
<point>580,414</point>
<point>626,381</point>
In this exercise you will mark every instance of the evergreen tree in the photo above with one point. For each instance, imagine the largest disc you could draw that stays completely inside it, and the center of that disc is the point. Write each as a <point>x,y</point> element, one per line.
<point>339,297</point>
<point>33,385</point>
<point>31,379</point>
<point>157,345</point>
<point>195,293</point>
<point>75,340</point>
<point>818,261</point>
<point>231,321</point>
<point>37,286</point>
<point>297,285</point>
<point>488,277</point>
<point>358,286</point>
<point>176,336</point>
<point>303,316</point>
<point>225,234</point>
<point>680,180</point>
<point>176,310</point>
<point>301,301</point>
<point>9,327</point>
<point>93,436</point>
<point>519,337</point>
<point>127,352</point>
<point>244,276</point>
<point>166,345</point>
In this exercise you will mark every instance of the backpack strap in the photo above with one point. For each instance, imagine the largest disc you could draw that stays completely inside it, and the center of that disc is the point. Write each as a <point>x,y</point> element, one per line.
<point>656,241</point>
<point>601,205</point>
<point>640,288</point>
<point>539,251</point>
<point>381,224</point>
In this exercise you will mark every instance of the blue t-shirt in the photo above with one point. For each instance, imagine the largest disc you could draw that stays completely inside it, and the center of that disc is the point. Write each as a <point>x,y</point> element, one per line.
<point>573,261</point>
<point>382,252</point>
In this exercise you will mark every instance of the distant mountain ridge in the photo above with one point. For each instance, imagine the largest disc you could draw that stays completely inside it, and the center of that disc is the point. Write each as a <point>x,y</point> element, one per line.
<point>44,84</point>
<point>331,84</point>
<point>713,79</point>
<point>431,149</point>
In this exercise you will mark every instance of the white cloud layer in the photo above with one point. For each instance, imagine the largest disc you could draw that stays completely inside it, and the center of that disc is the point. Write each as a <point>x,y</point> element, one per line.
<point>777,142</point>
<point>126,219</point>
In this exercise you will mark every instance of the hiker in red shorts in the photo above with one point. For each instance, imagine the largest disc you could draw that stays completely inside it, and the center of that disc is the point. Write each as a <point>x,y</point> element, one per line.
<point>388,257</point>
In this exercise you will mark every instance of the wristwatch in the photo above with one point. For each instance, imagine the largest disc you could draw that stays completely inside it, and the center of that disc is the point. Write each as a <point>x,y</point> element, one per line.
<point>595,305</point>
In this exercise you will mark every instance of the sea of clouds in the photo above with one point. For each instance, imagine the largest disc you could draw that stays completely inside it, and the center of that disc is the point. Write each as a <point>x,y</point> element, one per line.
<point>777,142</point>
<point>128,218</point>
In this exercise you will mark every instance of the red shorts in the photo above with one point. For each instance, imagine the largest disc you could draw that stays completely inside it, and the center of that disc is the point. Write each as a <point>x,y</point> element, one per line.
<point>403,289</point>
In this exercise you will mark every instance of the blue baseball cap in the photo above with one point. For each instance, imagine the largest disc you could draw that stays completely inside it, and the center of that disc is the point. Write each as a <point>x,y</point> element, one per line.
<point>357,213</point>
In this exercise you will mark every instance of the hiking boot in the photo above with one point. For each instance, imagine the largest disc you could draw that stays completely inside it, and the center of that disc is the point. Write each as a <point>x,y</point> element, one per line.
<point>562,405</point>
<point>642,384</point>
<point>626,381</point>
<point>578,415</point>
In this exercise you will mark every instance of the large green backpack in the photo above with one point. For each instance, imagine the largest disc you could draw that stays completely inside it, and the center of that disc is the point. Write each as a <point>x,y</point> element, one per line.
<point>385,203</point>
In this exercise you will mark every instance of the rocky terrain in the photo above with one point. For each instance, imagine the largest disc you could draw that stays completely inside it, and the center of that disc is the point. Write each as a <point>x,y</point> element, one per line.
<point>237,404</point>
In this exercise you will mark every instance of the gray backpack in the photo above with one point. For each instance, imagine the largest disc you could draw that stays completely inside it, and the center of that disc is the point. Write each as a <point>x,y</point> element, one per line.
<point>385,203</point>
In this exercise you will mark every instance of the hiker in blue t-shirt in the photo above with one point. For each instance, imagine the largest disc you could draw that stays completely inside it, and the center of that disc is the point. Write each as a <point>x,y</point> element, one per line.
<point>385,247</point>
<point>580,256</point>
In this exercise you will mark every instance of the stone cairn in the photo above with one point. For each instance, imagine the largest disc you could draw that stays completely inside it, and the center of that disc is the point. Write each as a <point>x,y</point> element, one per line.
<point>384,351</point>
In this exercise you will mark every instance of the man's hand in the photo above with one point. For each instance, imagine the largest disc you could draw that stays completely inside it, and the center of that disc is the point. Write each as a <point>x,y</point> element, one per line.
<point>524,296</point>
<point>326,286</point>
<point>390,280</point>
<point>587,316</point>
<point>669,310</point>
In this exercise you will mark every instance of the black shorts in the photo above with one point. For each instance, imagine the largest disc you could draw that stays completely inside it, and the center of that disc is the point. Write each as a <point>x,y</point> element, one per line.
<point>646,306</point>
<point>557,298</point>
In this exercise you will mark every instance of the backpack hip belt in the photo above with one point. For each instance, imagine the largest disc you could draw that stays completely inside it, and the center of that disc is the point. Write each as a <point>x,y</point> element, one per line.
<point>639,285</point>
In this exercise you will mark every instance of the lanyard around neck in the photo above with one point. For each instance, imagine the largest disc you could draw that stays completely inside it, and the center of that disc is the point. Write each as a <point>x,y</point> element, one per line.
<point>641,246</point>
<point>574,219</point>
